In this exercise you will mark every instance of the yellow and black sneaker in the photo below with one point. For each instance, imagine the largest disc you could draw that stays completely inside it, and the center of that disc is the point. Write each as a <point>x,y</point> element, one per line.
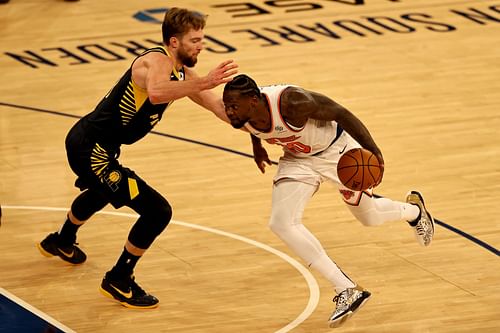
<point>51,246</point>
<point>127,292</point>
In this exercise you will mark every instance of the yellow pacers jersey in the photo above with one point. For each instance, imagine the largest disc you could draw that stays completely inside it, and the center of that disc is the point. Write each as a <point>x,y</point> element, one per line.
<point>314,137</point>
<point>126,115</point>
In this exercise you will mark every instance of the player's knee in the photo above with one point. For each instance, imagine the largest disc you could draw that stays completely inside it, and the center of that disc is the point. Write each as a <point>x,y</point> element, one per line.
<point>159,215</point>
<point>164,214</point>
<point>153,208</point>
<point>152,221</point>
<point>274,226</point>
<point>279,222</point>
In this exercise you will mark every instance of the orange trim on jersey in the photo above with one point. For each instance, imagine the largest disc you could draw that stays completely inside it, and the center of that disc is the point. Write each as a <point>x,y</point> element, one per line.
<point>269,110</point>
<point>288,126</point>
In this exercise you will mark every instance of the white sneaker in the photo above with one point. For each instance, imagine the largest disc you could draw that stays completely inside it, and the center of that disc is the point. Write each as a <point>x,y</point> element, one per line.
<point>423,225</point>
<point>346,304</point>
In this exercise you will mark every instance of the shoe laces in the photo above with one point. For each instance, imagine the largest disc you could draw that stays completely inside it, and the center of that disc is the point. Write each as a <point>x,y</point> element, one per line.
<point>136,289</point>
<point>342,299</point>
<point>423,226</point>
<point>68,245</point>
<point>421,230</point>
<point>68,248</point>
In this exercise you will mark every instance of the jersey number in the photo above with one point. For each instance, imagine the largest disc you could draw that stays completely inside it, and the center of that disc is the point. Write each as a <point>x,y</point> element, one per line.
<point>293,146</point>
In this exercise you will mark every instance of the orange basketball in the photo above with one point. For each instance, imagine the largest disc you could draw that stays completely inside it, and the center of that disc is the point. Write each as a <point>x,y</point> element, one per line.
<point>358,169</point>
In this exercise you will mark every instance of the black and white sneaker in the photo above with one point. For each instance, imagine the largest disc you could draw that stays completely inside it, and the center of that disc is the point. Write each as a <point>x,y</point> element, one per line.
<point>51,246</point>
<point>423,225</point>
<point>346,304</point>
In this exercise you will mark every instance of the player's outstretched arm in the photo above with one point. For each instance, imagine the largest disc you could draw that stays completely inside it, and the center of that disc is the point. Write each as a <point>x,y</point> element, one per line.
<point>207,98</point>
<point>152,72</point>
<point>301,104</point>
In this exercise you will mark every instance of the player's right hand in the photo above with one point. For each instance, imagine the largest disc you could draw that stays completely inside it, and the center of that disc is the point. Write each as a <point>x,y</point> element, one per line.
<point>260,157</point>
<point>221,74</point>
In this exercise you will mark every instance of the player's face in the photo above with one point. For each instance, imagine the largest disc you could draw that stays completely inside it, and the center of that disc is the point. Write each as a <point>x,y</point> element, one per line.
<point>238,108</point>
<point>190,45</point>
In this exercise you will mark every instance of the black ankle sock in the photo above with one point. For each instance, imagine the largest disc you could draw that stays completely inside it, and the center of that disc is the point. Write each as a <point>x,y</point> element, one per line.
<point>125,265</point>
<point>67,234</point>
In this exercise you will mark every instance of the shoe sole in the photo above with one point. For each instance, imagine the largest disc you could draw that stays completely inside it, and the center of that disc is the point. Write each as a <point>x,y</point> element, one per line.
<point>48,254</point>
<point>43,251</point>
<point>125,304</point>
<point>339,322</point>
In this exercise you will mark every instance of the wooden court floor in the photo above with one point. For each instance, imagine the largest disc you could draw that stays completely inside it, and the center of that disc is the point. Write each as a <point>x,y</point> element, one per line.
<point>423,76</point>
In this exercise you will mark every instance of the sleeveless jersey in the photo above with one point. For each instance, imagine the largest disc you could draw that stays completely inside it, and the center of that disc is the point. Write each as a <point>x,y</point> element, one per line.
<point>312,139</point>
<point>125,114</point>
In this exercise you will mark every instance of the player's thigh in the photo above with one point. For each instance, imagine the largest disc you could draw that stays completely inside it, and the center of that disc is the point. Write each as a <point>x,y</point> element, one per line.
<point>120,185</point>
<point>289,200</point>
<point>297,169</point>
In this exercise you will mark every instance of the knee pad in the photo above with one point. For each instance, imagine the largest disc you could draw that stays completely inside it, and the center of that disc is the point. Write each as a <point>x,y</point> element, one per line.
<point>160,215</point>
<point>155,214</point>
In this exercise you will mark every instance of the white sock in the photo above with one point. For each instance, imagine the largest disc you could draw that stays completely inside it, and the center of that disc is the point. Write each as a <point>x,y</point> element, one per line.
<point>409,212</point>
<point>324,265</point>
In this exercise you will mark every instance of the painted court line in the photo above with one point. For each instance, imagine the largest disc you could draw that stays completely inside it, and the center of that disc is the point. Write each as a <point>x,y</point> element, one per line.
<point>35,311</point>
<point>449,227</point>
<point>310,280</point>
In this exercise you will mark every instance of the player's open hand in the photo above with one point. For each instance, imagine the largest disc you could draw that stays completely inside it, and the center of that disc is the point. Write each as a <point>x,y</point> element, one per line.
<point>221,74</point>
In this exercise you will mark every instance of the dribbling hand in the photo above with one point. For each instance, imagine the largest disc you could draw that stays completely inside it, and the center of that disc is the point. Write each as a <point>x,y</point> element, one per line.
<point>381,163</point>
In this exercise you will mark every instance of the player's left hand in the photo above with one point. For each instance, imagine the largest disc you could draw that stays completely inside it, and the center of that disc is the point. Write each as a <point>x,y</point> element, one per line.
<point>380,159</point>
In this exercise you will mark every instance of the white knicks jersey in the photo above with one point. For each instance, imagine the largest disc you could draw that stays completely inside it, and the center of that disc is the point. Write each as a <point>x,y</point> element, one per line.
<point>313,138</point>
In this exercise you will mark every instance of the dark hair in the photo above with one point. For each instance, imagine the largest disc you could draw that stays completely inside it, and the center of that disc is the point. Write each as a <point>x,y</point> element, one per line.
<point>244,84</point>
<point>178,21</point>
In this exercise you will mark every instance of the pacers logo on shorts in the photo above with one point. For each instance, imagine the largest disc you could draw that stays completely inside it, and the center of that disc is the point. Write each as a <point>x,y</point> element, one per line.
<point>114,176</point>
<point>112,179</point>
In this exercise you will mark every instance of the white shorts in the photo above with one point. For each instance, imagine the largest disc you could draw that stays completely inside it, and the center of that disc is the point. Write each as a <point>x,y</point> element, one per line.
<point>314,170</point>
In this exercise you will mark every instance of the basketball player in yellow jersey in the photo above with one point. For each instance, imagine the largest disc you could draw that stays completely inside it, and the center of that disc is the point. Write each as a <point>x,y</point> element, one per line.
<point>314,132</point>
<point>128,112</point>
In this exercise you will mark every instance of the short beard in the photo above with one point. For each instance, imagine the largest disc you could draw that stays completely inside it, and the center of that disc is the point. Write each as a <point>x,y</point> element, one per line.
<point>187,60</point>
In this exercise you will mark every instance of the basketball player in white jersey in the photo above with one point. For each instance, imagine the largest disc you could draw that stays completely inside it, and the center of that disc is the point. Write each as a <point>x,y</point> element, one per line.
<point>314,132</point>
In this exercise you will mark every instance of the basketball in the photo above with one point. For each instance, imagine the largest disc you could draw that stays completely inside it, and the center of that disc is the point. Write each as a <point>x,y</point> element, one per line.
<point>358,169</point>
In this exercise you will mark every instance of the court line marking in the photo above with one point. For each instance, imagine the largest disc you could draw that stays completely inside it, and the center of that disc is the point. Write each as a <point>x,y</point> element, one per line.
<point>37,312</point>
<point>314,292</point>
<point>451,228</point>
